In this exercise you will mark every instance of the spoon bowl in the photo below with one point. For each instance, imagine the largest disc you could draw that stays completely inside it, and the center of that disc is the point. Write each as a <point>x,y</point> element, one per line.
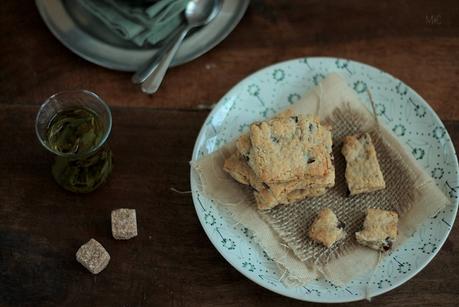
<point>200,12</point>
<point>197,13</point>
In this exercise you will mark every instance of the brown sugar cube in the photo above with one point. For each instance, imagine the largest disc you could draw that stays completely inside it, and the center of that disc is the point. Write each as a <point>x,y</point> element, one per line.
<point>124,224</point>
<point>93,256</point>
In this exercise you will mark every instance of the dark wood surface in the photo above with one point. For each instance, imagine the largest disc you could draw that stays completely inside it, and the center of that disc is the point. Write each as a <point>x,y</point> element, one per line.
<point>172,262</point>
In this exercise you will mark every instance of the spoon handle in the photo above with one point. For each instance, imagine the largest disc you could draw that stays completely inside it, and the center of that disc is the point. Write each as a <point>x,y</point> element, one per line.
<point>142,74</point>
<point>152,83</point>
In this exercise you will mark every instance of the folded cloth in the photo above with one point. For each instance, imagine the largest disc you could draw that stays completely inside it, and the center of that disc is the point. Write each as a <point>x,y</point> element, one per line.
<point>136,23</point>
<point>282,231</point>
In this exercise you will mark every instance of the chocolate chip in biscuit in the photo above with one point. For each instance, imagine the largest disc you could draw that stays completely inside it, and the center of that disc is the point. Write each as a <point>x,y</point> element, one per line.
<point>387,245</point>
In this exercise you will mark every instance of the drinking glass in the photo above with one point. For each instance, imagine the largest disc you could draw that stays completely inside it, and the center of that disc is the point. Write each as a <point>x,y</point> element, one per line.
<point>75,127</point>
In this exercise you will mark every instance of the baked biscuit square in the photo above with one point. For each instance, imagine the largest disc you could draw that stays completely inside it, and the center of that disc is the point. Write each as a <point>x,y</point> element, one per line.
<point>268,196</point>
<point>363,173</point>
<point>267,200</point>
<point>267,193</point>
<point>288,148</point>
<point>326,228</point>
<point>379,229</point>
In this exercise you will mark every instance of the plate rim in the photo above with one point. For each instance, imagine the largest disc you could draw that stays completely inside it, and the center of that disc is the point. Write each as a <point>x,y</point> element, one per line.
<point>110,64</point>
<point>217,108</point>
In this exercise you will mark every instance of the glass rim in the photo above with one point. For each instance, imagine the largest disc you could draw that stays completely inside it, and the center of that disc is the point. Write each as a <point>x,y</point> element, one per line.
<point>72,155</point>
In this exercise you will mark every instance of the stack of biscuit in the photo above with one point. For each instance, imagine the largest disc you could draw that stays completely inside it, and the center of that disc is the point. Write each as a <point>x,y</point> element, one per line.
<point>284,159</point>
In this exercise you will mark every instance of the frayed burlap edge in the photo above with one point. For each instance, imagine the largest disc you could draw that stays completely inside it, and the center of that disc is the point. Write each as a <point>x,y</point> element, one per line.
<point>351,262</point>
<point>227,196</point>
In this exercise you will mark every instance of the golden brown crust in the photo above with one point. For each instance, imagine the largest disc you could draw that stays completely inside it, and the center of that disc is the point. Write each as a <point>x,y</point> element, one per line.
<point>267,200</point>
<point>289,148</point>
<point>326,228</point>
<point>316,139</point>
<point>235,166</point>
<point>243,145</point>
<point>379,229</point>
<point>268,196</point>
<point>363,173</point>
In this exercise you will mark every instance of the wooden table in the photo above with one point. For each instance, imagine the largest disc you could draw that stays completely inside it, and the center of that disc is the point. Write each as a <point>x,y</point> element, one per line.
<point>172,262</point>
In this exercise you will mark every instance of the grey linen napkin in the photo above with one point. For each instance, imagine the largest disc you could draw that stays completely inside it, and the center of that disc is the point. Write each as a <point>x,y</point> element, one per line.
<point>138,23</point>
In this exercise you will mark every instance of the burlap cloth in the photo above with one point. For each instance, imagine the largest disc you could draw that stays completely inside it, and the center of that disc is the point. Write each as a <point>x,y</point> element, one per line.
<point>282,231</point>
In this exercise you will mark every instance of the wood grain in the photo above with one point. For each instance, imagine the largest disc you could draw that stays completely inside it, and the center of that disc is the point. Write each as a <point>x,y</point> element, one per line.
<point>171,262</point>
<point>397,36</point>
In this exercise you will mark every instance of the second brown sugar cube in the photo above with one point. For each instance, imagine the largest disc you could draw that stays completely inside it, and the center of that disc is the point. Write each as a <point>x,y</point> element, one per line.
<point>124,224</point>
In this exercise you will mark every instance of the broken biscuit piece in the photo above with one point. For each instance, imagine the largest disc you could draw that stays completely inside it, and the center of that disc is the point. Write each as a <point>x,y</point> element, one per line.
<point>326,228</point>
<point>379,229</point>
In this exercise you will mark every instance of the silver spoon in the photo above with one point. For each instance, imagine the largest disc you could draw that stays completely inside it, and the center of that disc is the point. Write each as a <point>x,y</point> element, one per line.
<point>197,13</point>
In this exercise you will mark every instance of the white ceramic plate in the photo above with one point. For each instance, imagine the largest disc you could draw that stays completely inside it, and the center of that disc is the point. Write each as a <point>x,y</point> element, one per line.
<point>398,107</point>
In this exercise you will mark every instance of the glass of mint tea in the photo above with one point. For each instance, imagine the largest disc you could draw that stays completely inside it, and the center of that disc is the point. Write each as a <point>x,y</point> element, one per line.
<point>75,127</point>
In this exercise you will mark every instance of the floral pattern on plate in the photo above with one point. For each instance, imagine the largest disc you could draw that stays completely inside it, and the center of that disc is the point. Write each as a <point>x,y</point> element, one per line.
<point>398,107</point>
